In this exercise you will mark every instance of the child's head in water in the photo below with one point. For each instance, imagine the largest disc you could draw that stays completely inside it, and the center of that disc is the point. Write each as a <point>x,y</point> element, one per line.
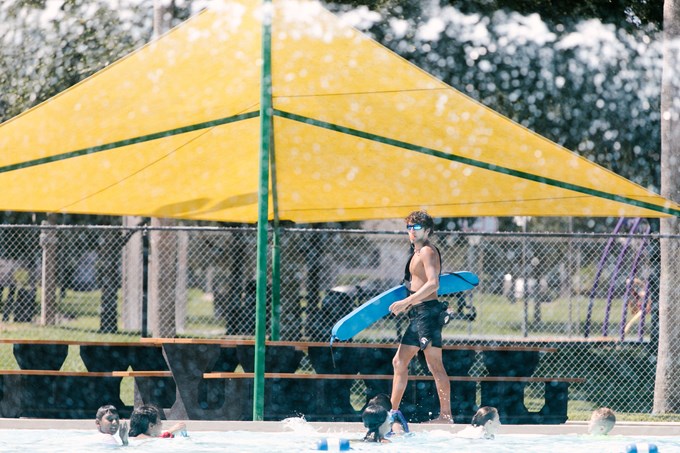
<point>107,419</point>
<point>601,421</point>
<point>146,420</point>
<point>398,423</point>
<point>377,420</point>
<point>488,419</point>
<point>381,399</point>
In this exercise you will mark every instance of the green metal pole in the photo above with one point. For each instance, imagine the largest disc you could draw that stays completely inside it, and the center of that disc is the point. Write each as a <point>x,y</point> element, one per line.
<point>276,255</point>
<point>263,213</point>
<point>276,284</point>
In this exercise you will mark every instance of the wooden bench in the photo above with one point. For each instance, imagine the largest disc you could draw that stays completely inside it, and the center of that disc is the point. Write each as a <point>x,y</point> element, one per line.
<point>120,374</point>
<point>39,388</point>
<point>501,392</point>
<point>195,379</point>
<point>237,375</point>
<point>510,367</point>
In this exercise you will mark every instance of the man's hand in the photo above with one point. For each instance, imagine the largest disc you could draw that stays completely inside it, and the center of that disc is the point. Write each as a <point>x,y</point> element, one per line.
<point>400,307</point>
<point>123,432</point>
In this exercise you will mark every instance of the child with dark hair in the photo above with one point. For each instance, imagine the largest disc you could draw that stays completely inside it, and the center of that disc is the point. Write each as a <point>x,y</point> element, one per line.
<point>381,399</point>
<point>146,423</point>
<point>398,423</point>
<point>485,424</point>
<point>377,420</point>
<point>109,424</point>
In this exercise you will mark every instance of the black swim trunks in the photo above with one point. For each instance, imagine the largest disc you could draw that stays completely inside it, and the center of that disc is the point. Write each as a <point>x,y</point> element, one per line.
<point>425,326</point>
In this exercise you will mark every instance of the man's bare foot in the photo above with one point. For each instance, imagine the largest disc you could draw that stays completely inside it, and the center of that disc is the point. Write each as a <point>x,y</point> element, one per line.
<point>442,420</point>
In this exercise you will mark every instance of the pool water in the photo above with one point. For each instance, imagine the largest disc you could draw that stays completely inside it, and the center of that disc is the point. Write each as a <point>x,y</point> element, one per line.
<point>304,439</point>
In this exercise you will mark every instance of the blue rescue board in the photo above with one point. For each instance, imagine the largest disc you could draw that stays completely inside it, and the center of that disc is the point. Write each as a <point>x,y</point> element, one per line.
<point>378,307</point>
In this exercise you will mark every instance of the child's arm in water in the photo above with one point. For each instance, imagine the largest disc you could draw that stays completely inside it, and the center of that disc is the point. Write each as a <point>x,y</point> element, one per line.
<point>123,432</point>
<point>180,426</point>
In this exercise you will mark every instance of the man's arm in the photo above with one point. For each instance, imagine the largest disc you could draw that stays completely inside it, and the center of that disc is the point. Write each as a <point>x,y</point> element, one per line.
<point>429,259</point>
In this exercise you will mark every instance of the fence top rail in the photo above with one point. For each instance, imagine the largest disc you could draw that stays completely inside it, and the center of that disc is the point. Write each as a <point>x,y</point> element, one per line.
<point>506,234</point>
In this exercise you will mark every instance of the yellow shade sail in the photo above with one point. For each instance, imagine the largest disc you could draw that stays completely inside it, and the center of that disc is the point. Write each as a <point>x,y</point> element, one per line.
<point>173,130</point>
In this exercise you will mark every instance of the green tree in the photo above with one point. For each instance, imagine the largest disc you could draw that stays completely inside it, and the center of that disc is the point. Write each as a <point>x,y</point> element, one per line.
<point>667,385</point>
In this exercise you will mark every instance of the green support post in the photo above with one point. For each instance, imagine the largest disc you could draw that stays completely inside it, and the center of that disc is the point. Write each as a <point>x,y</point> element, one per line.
<point>263,213</point>
<point>276,284</point>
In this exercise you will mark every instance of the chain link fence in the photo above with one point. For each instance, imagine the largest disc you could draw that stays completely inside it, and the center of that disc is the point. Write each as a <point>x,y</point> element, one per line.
<point>588,294</point>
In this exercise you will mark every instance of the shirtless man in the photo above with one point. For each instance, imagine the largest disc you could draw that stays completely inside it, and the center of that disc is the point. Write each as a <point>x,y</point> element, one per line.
<point>424,331</point>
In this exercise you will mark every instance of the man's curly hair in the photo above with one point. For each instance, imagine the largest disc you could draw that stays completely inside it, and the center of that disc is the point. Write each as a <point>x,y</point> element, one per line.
<point>421,217</point>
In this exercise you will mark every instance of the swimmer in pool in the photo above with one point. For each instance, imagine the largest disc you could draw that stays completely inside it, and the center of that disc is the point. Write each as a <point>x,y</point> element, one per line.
<point>602,421</point>
<point>398,422</point>
<point>146,423</point>
<point>377,419</point>
<point>485,424</point>
<point>109,424</point>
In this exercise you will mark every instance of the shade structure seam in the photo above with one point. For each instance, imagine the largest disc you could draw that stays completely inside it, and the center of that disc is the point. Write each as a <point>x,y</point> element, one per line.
<point>476,163</point>
<point>415,206</point>
<point>130,175</point>
<point>130,141</point>
<point>356,93</point>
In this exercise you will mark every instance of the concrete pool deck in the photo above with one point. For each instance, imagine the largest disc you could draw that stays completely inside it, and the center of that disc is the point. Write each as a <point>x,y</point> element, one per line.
<point>621,428</point>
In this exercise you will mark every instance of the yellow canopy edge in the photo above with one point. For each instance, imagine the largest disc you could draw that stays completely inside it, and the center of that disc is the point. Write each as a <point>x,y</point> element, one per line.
<point>172,130</point>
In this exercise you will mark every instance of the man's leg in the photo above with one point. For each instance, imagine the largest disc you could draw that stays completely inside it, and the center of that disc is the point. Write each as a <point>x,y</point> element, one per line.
<point>400,363</point>
<point>433,356</point>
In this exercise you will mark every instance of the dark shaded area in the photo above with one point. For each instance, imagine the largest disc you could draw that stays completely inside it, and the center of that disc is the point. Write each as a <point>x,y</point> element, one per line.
<point>152,390</point>
<point>277,359</point>
<point>40,356</point>
<point>80,396</point>
<point>188,395</point>
<point>558,11</point>
<point>211,393</point>
<point>508,397</point>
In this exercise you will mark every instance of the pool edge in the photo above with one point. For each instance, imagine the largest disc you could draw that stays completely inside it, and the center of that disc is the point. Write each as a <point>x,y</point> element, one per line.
<point>621,428</point>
